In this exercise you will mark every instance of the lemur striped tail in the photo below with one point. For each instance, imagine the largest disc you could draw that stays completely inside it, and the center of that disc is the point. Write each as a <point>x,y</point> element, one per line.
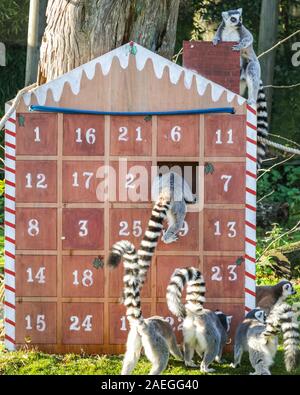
<point>262,123</point>
<point>131,293</point>
<point>284,318</point>
<point>150,239</point>
<point>195,295</point>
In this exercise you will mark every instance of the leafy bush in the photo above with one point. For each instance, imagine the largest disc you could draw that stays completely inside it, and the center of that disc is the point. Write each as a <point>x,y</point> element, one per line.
<point>284,183</point>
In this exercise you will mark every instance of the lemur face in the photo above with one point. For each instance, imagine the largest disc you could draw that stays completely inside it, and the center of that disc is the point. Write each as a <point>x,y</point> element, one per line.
<point>257,314</point>
<point>233,18</point>
<point>288,290</point>
<point>261,316</point>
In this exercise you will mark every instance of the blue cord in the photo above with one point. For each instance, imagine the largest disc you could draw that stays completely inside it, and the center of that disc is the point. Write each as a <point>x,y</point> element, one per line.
<point>227,110</point>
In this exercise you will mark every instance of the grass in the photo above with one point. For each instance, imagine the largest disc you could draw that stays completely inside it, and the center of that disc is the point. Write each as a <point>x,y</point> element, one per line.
<point>26,362</point>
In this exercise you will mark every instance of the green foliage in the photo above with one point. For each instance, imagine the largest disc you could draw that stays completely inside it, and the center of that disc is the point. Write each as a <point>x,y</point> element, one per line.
<point>285,182</point>
<point>13,21</point>
<point>198,20</point>
<point>286,102</point>
<point>13,33</point>
<point>37,363</point>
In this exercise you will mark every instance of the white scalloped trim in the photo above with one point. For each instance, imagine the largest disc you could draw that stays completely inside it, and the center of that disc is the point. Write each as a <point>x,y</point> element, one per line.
<point>141,57</point>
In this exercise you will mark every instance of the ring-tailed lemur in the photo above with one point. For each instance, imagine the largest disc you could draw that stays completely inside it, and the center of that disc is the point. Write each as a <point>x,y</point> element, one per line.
<point>204,331</point>
<point>232,29</point>
<point>260,338</point>
<point>181,194</point>
<point>268,295</point>
<point>154,334</point>
<point>150,238</point>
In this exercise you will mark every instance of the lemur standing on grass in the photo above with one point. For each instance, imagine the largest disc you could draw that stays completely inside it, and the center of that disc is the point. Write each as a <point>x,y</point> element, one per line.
<point>259,336</point>
<point>154,334</point>
<point>204,331</point>
<point>232,29</point>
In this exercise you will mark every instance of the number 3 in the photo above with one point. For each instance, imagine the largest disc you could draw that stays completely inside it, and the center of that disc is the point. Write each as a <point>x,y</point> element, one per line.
<point>83,228</point>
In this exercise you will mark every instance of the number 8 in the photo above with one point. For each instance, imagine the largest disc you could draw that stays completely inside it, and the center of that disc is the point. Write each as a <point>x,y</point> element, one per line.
<point>33,227</point>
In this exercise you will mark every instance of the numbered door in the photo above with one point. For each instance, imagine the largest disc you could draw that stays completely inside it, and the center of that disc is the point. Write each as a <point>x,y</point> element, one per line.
<point>36,134</point>
<point>36,275</point>
<point>178,136</point>
<point>35,322</point>
<point>225,183</point>
<point>225,135</point>
<point>224,276</point>
<point>130,181</point>
<point>188,236</point>
<point>36,228</point>
<point>118,323</point>
<point>36,181</point>
<point>176,323</point>
<point>82,323</point>
<point>224,230</point>
<point>81,278</point>
<point>83,229</point>
<point>131,136</point>
<point>128,224</point>
<point>82,182</point>
<point>166,265</point>
<point>83,135</point>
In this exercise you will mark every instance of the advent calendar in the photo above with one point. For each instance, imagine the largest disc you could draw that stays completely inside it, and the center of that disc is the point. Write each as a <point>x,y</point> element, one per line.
<point>80,152</point>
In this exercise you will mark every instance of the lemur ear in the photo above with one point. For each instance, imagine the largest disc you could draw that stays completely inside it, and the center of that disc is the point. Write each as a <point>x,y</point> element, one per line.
<point>240,10</point>
<point>225,15</point>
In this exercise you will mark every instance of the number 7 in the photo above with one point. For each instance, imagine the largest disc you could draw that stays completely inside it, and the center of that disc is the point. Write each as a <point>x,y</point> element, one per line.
<point>227,180</point>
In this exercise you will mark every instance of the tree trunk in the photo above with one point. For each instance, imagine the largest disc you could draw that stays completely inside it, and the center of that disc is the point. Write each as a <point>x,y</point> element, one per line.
<point>36,27</point>
<point>267,38</point>
<point>80,30</point>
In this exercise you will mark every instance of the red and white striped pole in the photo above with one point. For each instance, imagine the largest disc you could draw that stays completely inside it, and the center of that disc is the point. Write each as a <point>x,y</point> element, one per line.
<point>250,231</point>
<point>10,233</point>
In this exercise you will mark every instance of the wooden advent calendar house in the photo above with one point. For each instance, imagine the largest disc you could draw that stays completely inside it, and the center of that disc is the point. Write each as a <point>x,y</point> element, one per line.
<point>58,228</point>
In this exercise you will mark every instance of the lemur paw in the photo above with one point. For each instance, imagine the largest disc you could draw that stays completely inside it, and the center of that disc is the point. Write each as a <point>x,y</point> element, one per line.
<point>236,47</point>
<point>219,360</point>
<point>169,239</point>
<point>207,370</point>
<point>190,364</point>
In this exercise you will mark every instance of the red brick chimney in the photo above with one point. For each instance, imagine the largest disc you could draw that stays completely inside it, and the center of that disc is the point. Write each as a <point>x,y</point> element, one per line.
<point>217,63</point>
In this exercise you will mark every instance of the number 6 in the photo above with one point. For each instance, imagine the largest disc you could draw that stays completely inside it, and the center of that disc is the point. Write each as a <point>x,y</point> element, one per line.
<point>175,134</point>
